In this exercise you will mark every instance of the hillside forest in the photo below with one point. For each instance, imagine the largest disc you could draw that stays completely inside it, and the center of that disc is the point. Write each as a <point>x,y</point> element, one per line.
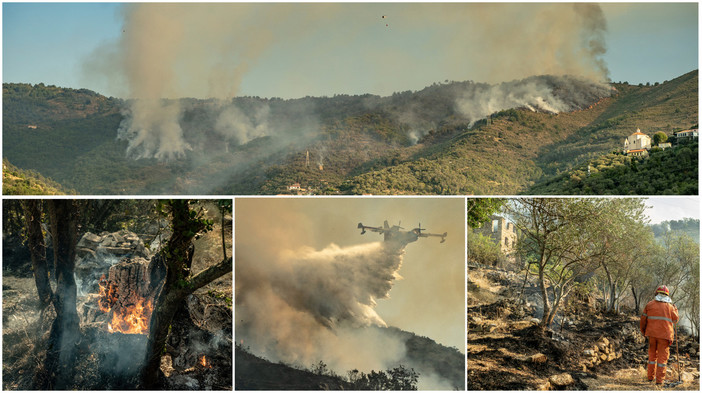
<point>443,139</point>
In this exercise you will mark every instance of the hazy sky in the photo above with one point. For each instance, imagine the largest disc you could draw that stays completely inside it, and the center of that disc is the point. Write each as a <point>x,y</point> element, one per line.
<point>666,208</point>
<point>294,50</point>
<point>428,300</point>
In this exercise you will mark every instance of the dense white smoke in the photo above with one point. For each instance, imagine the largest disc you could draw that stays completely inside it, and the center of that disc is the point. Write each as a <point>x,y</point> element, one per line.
<point>205,51</point>
<point>544,94</point>
<point>152,129</point>
<point>168,49</point>
<point>241,127</point>
<point>304,305</point>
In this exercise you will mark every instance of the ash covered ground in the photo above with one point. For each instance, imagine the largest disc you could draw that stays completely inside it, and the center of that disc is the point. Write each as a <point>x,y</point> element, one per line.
<point>589,350</point>
<point>198,353</point>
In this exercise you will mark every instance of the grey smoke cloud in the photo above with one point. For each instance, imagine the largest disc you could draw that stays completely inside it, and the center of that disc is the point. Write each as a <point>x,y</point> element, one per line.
<point>545,94</point>
<point>242,127</point>
<point>309,287</point>
<point>206,50</point>
<point>304,305</point>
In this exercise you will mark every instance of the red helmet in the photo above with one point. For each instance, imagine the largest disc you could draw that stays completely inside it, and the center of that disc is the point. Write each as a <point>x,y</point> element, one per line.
<point>663,289</point>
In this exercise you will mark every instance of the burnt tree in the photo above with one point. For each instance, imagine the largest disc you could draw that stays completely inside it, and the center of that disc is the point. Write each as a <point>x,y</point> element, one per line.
<point>65,329</point>
<point>37,249</point>
<point>176,258</point>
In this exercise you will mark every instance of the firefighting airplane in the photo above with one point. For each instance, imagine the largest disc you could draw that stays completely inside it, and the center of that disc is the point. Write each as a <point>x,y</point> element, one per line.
<point>394,233</point>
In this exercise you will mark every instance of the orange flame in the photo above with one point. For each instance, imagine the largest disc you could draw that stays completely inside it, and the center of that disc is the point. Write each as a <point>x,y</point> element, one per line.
<point>204,362</point>
<point>132,319</point>
<point>108,294</point>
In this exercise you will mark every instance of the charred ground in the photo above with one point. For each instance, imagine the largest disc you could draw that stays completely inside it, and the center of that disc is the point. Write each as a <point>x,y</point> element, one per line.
<point>588,350</point>
<point>202,326</point>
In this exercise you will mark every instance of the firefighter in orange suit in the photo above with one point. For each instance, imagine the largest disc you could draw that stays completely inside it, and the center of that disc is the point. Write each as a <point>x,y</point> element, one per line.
<point>657,321</point>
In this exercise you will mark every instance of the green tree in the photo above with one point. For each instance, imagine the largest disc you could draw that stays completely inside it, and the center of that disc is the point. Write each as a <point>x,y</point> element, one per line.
<point>560,238</point>
<point>479,210</point>
<point>659,137</point>
<point>482,249</point>
<point>622,222</point>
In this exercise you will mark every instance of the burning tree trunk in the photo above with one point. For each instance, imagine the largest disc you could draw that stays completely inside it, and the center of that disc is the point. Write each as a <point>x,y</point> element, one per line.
<point>37,249</point>
<point>128,296</point>
<point>65,330</point>
<point>176,257</point>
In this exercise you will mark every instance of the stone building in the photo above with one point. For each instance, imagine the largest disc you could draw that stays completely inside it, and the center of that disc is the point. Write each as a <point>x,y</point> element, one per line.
<point>637,143</point>
<point>503,233</point>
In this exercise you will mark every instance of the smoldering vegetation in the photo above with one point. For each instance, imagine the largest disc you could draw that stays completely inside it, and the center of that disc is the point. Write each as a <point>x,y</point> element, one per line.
<point>197,355</point>
<point>232,138</point>
<point>160,56</point>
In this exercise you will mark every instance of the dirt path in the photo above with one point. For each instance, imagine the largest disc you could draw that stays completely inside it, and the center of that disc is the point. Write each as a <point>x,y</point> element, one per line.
<point>506,350</point>
<point>634,379</point>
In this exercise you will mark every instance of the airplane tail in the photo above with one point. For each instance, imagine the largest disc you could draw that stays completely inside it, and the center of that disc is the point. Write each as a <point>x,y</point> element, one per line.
<point>385,225</point>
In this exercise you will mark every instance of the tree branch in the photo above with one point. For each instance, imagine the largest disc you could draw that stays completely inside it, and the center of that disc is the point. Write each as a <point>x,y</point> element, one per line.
<point>210,274</point>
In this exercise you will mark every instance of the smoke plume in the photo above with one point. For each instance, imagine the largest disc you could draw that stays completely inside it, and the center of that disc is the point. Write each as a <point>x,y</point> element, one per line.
<point>544,94</point>
<point>170,51</point>
<point>167,50</point>
<point>303,305</point>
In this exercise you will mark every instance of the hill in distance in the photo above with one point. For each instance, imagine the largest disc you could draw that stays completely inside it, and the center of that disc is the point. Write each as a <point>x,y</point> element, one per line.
<point>433,141</point>
<point>424,357</point>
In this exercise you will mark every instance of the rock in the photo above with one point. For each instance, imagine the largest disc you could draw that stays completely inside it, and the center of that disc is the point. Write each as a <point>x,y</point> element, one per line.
<point>603,357</point>
<point>167,365</point>
<point>545,385</point>
<point>475,319</point>
<point>561,380</point>
<point>89,240</point>
<point>611,356</point>
<point>85,253</point>
<point>604,341</point>
<point>630,373</point>
<point>589,352</point>
<point>519,325</point>
<point>535,320</point>
<point>686,377</point>
<point>538,358</point>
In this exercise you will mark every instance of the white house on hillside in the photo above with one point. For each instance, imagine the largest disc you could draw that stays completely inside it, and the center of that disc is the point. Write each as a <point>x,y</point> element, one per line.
<point>637,143</point>
<point>687,133</point>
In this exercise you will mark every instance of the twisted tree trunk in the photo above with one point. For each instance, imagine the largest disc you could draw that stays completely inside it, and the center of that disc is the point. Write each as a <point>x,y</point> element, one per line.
<point>65,330</point>
<point>177,258</point>
<point>37,249</point>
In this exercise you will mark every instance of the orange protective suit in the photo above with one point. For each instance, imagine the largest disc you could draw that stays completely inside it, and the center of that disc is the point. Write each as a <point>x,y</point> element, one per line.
<point>657,324</point>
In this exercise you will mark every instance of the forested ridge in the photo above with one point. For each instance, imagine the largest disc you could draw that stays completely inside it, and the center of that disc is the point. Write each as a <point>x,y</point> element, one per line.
<point>407,143</point>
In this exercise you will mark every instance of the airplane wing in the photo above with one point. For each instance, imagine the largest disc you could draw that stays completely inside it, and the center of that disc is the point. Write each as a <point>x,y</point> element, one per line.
<point>363,229</point>
<point>442,236</point>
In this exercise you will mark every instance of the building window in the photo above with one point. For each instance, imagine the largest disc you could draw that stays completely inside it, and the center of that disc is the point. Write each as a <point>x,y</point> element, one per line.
<point>495,224</point>
<point>506,242</point>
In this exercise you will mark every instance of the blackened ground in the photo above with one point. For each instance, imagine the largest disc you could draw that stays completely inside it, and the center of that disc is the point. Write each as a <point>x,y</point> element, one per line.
<point>506,350</point>
<point>206,329</point>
